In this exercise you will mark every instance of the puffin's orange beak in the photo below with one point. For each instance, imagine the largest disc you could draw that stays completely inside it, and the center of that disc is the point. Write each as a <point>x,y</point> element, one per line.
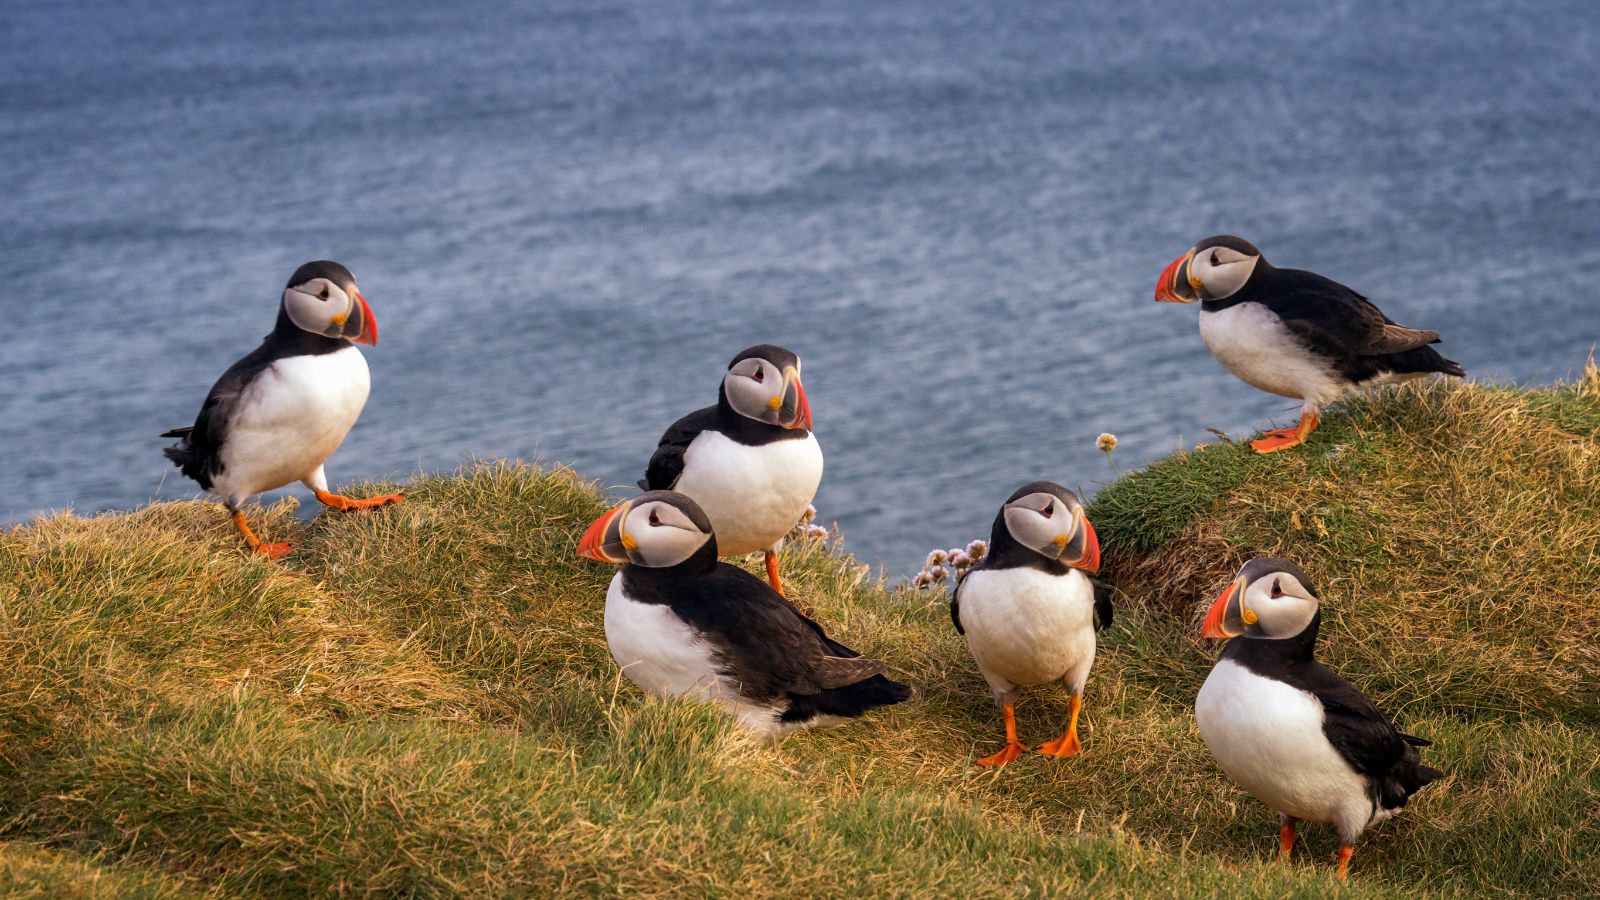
<point>796,408</point>
<point>1216,625</point>
<point>1174,286</point>
<point>1089,544</point>
<point>604,541</point>
<point>369,323</point>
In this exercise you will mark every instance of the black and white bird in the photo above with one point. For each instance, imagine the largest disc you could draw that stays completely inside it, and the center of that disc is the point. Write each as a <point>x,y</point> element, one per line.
<point>681,623</point>
<point>751,462</point>
<point>1028,610</point>
<point>1289,730</point>
<point>1294,333</point>
<point>277,414</point>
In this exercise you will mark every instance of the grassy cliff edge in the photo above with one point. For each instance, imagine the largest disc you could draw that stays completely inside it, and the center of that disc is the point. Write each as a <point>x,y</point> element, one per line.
<point>420,699</point>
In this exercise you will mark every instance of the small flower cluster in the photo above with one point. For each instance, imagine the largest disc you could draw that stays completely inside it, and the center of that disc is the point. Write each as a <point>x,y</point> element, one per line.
<point>1106,443</point>
<point>807,527</point>
<point>947,566</point>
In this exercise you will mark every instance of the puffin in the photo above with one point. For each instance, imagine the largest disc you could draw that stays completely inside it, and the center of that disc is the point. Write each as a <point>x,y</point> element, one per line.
<point>275,416</point>
<point>1029,611</point>
<point>751,461</point>
<point>1294,333</point>
<point>681,623</point>
<point>1289,730</point>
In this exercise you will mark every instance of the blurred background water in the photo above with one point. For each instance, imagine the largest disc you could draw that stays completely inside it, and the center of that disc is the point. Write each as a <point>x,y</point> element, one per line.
<point>568,216</point>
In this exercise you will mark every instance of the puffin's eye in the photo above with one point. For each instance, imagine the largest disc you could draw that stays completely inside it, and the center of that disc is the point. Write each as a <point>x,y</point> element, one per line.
<point>654,519</point>
<point>1049,510</point>
<point>1276,590</point>
<point>1215,261</point>
<point>760,375</point>
<point>323,293</point>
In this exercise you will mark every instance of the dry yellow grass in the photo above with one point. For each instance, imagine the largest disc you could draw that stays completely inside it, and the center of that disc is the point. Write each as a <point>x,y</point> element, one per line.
<point>420,699</point>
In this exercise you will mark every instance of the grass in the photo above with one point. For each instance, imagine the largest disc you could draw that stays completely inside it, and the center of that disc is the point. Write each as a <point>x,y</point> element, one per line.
<point>420,701</point>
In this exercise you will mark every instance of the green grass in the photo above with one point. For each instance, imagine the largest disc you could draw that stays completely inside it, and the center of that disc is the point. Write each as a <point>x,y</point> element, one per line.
<point>419,700</point>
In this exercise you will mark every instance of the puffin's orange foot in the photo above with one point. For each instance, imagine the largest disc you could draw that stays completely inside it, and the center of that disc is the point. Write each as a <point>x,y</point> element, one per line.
<point>772,573</point>
<point>274,551</point>
<point>1277,439</point>
<point>1344,860</point>
<point>344,504</point>
<point>1284,438</point>
<point>1009,752</point>
<point>1066,745</point>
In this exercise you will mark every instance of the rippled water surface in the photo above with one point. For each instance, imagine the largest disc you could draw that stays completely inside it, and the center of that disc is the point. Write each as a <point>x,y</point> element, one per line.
<point>569,216</point>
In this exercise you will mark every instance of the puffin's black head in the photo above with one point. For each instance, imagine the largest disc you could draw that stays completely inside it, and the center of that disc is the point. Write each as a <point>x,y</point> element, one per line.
<point>1214,269</point>
<point>1271,598</point>
<point>656,530</point>
<point>763,383</point>
<point>1048,519</point>
<point>321,298</point>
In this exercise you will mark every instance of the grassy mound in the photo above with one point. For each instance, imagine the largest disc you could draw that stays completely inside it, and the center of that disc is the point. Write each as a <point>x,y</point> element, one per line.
<point>420,699</point>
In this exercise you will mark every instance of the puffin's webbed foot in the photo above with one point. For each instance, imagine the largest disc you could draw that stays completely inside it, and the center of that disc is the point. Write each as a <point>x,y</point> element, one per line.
<point>1067,744</point>
<point>1284,438</point>
<point>1013,747</point>
<point>344,504</point>
<point>1009,752</point>
<point>272,551</point>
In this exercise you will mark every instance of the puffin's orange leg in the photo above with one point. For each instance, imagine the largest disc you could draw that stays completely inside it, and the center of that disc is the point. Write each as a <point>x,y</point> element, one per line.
<point>772,573</point>
<point>273,551</point>
<point>1286,837</point>
<point>1013,747</point>
<point>1284,438</point>
<point>1344,859</point>
<point>348,503</point>
<point>1067,744</point>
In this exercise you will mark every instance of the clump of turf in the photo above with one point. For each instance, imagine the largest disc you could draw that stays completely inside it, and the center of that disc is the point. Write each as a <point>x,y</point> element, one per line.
<point>420,699</point>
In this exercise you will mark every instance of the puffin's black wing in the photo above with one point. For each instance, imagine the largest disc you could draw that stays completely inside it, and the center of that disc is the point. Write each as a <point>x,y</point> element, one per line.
<point>1341,324</point>
<point>955,595</point>
<point>666,464</point>
<point>197,453</point>
<point>1102,603</point>
<point>1372,746</point>
<point>762,642</point>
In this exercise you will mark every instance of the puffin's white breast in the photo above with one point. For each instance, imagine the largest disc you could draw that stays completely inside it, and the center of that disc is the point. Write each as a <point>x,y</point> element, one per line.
<point>291,418</point>
<point>662,654</point>
<point>1029,627</point>
<point>752,494</point>
<point>1252,342</point>
<point>1267,735</point>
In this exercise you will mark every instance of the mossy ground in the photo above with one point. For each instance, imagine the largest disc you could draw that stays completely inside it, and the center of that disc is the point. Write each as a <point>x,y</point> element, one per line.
<point>419,700</point>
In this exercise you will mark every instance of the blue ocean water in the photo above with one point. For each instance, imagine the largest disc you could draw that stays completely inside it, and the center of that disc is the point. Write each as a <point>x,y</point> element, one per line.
<point>568,216</point>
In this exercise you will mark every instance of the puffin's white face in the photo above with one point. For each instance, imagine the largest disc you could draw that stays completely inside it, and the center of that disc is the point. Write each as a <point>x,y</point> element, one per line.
<point>1221,271</point>
<point>757,389</point>
<point>322,307</point>
<point>1214,269</point>
<point>1276,605</point>
<point>646,532</point>
<point>1054,528</point>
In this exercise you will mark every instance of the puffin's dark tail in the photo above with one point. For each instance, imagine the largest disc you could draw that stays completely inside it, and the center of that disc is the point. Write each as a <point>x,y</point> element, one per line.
<point>1419,361</point>
<point>1408,776</point>
<point>183,456</point>
<point>847,702</point>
